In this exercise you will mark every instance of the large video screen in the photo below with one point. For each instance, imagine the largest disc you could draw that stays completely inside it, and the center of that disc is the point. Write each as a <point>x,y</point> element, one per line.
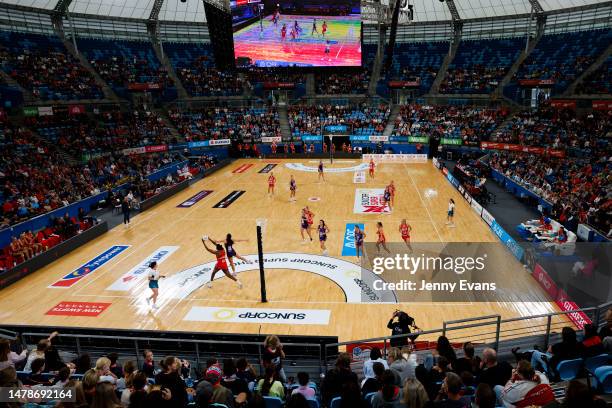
<point>301,33</point>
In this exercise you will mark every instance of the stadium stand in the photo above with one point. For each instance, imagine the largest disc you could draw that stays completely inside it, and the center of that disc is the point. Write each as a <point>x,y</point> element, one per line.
<point>360,120</point>
<point>194,64</point>
<point>479,65</point>
<point>42,65</point>
<point>348,80</point>
<point>598,82</point>
<point>225,123</point>
<point>556,128</point>
<point>470,124</point>
<point>416,62</point>
<point>102,131</point>
<point>561,58</point>
<point>126,65</point>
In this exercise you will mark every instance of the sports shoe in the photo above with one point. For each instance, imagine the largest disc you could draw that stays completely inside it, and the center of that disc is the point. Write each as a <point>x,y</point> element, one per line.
<point>155,307</point>
<point>209,285</point>
<point>239,284</point>
<point>149,301</point>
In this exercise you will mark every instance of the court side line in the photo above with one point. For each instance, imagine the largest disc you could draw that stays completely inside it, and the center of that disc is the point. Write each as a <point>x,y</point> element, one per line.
<point>423,202</point>
<point>141,244</point>
<point>331,302</point>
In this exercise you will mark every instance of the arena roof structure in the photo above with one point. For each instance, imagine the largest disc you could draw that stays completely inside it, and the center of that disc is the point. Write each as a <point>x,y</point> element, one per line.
<point>433,20</point>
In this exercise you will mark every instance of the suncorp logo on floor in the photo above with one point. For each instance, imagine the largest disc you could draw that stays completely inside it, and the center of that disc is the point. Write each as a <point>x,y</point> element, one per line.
<point>258,315</point>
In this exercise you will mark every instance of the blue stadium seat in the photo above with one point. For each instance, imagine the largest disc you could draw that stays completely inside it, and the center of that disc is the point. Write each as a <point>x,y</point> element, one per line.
<point>603,376</point>
<point>273,402</point>
<point>569,369</point>
<point>335,403</point>
<point>593,363</point>
<point>312,403</point>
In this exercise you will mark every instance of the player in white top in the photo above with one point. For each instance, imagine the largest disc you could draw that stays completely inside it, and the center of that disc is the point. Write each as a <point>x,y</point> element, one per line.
<point>154,277</point>
<point>451,213</point>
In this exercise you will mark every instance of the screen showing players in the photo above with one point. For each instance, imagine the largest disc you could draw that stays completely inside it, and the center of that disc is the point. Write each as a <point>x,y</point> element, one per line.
<point>301,33</point>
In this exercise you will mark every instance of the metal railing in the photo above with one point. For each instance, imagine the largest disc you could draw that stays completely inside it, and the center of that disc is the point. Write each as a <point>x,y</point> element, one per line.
<point>195,350</point>
<point>486,331</point>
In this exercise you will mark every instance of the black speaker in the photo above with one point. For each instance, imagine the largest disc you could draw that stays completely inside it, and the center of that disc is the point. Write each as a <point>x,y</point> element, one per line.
<point>221,35</point>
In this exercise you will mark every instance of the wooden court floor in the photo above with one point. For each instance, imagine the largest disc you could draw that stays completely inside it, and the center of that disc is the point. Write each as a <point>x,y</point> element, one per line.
<point>422,197</point>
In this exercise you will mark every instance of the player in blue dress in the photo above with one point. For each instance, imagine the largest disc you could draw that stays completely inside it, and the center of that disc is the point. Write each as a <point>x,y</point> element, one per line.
<point>292,188</point>
<point>323,231</point>
<point>321,176</point>
<point>359,237</point>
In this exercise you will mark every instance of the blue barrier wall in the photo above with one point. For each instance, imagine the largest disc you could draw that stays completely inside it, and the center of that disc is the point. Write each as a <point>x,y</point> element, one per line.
<point>517,189</point>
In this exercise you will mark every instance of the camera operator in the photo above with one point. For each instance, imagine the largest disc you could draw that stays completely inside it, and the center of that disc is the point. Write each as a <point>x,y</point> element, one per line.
<point>402,323</point>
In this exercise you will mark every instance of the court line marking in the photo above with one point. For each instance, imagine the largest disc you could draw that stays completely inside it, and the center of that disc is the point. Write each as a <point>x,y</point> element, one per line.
<point>423,203</point>
<point>142,244</point>
<point>137,221</point>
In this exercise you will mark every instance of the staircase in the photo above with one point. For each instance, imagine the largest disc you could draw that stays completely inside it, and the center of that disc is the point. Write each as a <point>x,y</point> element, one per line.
<point>106,89</point>
<point>516,65</point>
<point>283,117</point>
<point>592,68</point>
<point>66,158</point>
<point>435,86</point>
<point>310,85</point>
<point>391,122</point>
<point>173,131</point>
<point>378,61</point>
<point>163,58</point>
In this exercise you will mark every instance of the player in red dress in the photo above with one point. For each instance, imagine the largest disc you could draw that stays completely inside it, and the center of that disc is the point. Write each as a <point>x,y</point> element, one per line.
<point>372,166</point>
<point>284,32</point>
<point>405,229</point>
<point>324,28</point>
<point>381,241</point>
<point>392,191</point>
<point>324,147</point>
<point>271,184</point>
<point>273,147</point>
<point>221,264</point>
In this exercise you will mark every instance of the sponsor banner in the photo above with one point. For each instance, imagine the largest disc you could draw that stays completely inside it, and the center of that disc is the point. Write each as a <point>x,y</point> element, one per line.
<point>131,278</point>
<point>348,246</point>
<point>76,109</point>
<point>242,168</point>
<point>584,232</point>
<point>520,148</point>
<point>418,139</point>
<point>156,148</point>
<point>356,282</point>
<point>461,189</point>
<point>133,150</point>
<point>219,142</point>
<point>563,103</point>
<point>267,168</point>
<point>30,111</point>
<point>90,309</point>
<point>148,86</point>
<point>315,169</point>
<point>370,201</point>
<point>396,158</point>
<point>45,111</point>
<point>89,267</point>
<point>504,237</point>
<point>359,138</point>
<point>477,207</point>
<point>200,143</point>
<point>271,139</point>
<point>258,315</point>
<point>379,138</point>
<point>560,297</point>
<point>404,84</point>
<point>279,85</point>
<point>359,177</point>
<point>450,141</point>
<point>336,128</point>
<point>229,199</point>
<point>597,105</point>
<point>467,197</point>
<point>191,201</point>
<point>312,138</point>
<point>536,82</point>
<point>435,162</point>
